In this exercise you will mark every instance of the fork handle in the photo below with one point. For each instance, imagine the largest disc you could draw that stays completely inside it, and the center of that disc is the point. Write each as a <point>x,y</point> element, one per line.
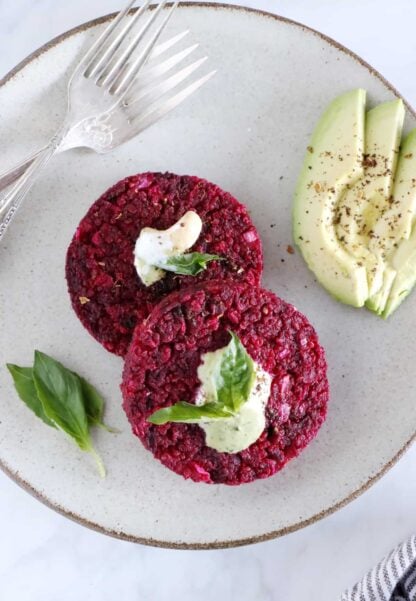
<point>9,177</point>
<point>14,198</point>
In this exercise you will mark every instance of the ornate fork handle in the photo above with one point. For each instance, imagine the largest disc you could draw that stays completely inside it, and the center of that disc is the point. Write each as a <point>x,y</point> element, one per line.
<point>14,198</point>
<point>96,133</point>
<point>9,177</point>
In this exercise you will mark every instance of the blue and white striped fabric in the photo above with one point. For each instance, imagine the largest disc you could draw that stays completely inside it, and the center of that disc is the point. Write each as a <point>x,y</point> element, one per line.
<point>393,579</point>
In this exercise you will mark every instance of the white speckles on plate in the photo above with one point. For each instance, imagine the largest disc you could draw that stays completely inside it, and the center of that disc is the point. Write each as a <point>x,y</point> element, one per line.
<point>246,130</point>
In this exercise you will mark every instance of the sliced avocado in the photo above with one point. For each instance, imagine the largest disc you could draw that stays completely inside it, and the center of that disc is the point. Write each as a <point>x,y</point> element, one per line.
<point>377,301</point>
<point>392,233</point>
<point>404,263</point>
<point>334,160</point>
<point>396,223</point>
<point>383,130</point>
<point>362,204</point>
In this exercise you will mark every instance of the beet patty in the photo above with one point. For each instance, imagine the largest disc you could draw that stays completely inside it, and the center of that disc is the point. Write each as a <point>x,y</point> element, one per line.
<point>106,292</point>
<point>161,369</point>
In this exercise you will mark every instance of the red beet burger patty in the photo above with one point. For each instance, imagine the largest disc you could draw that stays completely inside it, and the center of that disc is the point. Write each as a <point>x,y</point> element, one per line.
<point>161,369</point>
<point>106,292</point>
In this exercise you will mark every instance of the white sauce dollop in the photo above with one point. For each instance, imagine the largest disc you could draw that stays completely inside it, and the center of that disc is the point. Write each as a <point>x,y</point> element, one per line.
<point>236,433</point>
<point>153,247</point>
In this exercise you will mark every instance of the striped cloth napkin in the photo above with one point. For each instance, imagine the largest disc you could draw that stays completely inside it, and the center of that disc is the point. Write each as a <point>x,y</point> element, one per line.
<point>393,579</point>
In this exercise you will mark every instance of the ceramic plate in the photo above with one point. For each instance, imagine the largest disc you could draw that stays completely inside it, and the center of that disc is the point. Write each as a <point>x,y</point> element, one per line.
<point>247,130</point>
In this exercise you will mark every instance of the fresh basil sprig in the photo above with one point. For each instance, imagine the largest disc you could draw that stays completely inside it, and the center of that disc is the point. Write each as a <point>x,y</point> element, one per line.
<point>62,399</point>
<point>234,375</point>
<point>189,263</point>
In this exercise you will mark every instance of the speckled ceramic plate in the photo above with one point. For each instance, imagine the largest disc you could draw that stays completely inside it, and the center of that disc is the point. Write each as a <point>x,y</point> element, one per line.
<point>247,131</point>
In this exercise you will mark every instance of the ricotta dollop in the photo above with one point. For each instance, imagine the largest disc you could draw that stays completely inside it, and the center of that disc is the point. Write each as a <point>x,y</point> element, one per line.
<point>237,432</point>
<point>154,247</point>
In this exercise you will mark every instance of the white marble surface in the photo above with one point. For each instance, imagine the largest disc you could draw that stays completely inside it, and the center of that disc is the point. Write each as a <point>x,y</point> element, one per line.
<point>45,557</point>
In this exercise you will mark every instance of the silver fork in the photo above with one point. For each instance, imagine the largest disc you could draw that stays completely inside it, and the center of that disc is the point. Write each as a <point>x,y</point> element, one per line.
<point>107,102</point>
<point>96,133</point>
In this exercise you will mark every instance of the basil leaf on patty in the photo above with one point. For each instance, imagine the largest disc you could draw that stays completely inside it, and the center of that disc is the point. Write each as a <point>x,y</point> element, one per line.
<point>186,412</point>
<point>189,263</point>
<point>233,375</point>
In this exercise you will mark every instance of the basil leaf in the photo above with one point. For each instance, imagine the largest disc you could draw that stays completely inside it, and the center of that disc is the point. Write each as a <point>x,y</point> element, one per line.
<point>25,387</point>
<point>94,404</point>
<point>189,264</point>
<point>235,376</point>
<point>60,392</point>
<point>186,412</point>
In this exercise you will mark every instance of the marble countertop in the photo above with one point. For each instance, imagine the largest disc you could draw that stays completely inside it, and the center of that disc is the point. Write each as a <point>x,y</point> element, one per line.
<point>44,556</point>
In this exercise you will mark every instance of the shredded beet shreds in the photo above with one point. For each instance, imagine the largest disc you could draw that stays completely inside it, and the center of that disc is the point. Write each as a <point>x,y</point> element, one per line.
<point>106,292</point>
<point>161,369</point>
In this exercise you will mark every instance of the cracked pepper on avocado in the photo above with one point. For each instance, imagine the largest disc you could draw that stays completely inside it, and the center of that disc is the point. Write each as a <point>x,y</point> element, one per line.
<point>355,204</point>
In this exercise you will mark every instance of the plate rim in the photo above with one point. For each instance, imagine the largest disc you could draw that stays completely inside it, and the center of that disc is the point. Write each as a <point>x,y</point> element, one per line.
<point>218,544</point>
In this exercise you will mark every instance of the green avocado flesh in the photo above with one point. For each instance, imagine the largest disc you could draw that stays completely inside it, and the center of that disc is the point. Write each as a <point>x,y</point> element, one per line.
<point>397,246</point>
<point>363,204</point>
<point>354,216</point>
<point>333,161</point>
<point>404,262</point>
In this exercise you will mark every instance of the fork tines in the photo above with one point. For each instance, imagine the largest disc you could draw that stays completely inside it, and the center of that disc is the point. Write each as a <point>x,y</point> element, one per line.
<point>116,63</point>
<point>120,52</point>
<point>149,99</point>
